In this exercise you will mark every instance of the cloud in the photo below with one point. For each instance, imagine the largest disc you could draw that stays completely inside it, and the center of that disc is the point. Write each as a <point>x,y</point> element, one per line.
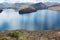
<point>41,0</point>
<point>11,1</point>
<point>54,1</point>
<point>34,1</point>
<point>14,1</point>
<point>2,1</point>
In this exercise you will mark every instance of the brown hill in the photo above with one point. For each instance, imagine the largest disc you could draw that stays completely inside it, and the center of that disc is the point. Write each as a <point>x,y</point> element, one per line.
<point>57,8</point>
<point>27,9</point>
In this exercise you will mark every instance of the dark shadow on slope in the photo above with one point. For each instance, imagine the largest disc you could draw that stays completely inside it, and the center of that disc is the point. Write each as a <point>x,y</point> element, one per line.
<point>1,11</point>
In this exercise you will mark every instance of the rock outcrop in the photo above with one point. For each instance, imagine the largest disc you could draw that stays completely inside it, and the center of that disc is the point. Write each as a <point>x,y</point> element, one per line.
<point>27,9</point>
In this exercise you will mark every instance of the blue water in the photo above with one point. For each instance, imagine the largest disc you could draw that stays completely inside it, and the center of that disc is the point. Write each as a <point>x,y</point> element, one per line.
<point>40,20</point>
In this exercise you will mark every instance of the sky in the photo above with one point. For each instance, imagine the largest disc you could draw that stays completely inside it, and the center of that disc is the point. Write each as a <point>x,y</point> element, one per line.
<point>54,1</point>
<point>14,1</point>
<point>34,1</point>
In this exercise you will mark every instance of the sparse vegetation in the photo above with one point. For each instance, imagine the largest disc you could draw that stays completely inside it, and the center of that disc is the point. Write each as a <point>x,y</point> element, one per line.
<point>4,38</point>
<point>14,35</point>
<point>30,35</point>
<point>18,35</point>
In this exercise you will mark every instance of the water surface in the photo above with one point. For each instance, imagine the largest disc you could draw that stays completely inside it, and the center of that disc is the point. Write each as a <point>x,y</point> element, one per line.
<point>40,20</point>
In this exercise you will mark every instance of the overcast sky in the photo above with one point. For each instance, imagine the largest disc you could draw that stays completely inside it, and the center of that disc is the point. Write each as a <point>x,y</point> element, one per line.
<point>34,1</point>
<point>14,1</point>
<point>54,0</point>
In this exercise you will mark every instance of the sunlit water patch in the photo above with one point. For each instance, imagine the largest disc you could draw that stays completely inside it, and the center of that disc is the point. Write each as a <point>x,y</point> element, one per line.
<point>40,20</point>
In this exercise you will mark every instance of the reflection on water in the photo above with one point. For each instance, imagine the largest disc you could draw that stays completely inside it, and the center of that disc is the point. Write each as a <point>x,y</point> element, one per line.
<point>40,20</point>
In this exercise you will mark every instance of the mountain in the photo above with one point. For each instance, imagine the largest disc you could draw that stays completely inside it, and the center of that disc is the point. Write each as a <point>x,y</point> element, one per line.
<point>56,8</point>
<point>51,4</point>
<point>39,6</point>
<point>27,9</point>
<point>32,8</point>
<point>22,4</point>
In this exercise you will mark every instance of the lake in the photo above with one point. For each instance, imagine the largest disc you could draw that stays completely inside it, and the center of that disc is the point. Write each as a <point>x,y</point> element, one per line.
<point>40,20</point>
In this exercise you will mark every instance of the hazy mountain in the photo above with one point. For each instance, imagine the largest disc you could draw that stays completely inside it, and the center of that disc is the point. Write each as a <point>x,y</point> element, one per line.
<point>23,3</point>
<point>28,7</point>
<point>50,4</point>
<point>34,6</point>
<point>39,6</point>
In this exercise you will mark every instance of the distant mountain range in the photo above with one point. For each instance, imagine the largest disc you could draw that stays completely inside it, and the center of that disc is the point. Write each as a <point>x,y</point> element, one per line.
<point>39,5</point>
<point>33,6</point>
<point>51,4</point>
